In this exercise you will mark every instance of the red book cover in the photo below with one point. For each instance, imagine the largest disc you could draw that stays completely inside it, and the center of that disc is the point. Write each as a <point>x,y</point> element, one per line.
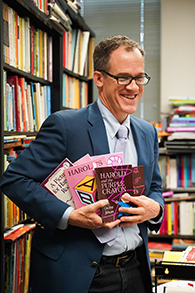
<point>164,226</point>
<point>23,263</point>
<point>182,171</point>
<point>13,80</point>
<point>21,81</point>
<point>32,49</point>
<point>113,182</point>
<point>175,223</point>
<point>64,49</point>
<point>20,232</point>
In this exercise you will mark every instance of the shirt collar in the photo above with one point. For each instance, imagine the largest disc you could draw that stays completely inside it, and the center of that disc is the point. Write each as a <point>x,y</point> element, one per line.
<point>111,123</point>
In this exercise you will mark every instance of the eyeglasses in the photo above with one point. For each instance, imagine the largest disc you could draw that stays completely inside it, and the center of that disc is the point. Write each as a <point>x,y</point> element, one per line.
<point>126,80</point>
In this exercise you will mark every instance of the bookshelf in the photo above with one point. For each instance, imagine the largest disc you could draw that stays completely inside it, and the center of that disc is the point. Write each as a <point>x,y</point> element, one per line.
<point>49,75</point>
<point>177,230</point>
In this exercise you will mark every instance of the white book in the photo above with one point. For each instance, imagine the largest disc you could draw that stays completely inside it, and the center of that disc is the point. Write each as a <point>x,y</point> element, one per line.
<point>84,50</point>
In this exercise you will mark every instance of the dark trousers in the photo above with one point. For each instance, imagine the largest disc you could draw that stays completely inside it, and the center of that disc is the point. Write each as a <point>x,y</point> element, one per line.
<point>125,278</point>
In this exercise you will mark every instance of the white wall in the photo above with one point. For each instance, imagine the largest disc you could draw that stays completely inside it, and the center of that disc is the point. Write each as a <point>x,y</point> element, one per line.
<point>177,50</point>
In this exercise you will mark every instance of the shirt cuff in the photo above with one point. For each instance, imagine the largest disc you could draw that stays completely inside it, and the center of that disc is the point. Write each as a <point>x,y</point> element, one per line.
<point>159,218</point>
<point>63,223</point>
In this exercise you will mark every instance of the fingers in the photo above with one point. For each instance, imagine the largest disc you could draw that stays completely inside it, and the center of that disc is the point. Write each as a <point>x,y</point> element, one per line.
<point>130,220</point>
<point>110,225</point>
<point>99,204</point>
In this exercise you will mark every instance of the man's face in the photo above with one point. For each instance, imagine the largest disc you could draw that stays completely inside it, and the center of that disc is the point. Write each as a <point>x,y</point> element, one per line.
<point>122,100</point>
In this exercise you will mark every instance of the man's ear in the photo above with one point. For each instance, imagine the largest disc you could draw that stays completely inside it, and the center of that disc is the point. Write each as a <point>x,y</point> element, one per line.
<point>98,78</point>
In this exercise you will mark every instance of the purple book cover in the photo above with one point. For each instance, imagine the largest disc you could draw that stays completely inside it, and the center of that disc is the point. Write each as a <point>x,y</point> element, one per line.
<point>57,185</point>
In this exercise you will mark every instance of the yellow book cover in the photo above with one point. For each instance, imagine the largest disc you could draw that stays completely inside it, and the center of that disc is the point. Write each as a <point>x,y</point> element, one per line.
<point>10,212</point>
<point>172,256</point>
<point>91,49</point>
<point>77,94</point>
<point>169,219</point>
<point>16,37</point>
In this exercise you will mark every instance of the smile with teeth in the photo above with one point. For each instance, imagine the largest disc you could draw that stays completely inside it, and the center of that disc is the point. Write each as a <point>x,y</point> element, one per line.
<point>129,97</point>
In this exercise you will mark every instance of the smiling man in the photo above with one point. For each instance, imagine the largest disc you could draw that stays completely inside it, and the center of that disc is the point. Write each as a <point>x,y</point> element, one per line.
<point>67,254</point>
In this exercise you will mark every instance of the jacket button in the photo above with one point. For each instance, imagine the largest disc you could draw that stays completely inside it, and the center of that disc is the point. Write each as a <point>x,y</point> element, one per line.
<point>94,263</point>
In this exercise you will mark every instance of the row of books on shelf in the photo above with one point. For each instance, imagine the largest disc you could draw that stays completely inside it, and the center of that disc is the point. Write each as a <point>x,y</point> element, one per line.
<point>58,14</point>
<point>180,124</point>
<point>177,171</point>
<point>12,213</point>
<point>26,104</point>
<point>25,46</point>
<point>179,218</point>
<point>17,258</point>
<point>43,4</point>
<point>77,52</point>
<point>167,253</point>
<point>75,92</point>
<point>17,140</point>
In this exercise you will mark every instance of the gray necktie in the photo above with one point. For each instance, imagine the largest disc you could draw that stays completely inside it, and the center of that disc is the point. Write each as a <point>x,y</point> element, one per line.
<point>104,235</point>
<point>121,139</point>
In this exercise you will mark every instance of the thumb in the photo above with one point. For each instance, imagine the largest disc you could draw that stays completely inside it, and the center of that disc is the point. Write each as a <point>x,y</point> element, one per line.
<point>100,204</point>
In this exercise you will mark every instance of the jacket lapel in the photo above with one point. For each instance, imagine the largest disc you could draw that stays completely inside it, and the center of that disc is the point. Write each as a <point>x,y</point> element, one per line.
<point>97,131</point>
<point>141,142</point>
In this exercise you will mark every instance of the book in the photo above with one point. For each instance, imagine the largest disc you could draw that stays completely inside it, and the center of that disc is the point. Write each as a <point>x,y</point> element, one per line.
<point>84,50</point>
<point>113,182</point>
<point>176,289</point>
<point>82,183</point>
<point>81,177</point>
<point>57,185</point>
<point>13,80</point>
<point>187,256</point>
<point>180,129</point>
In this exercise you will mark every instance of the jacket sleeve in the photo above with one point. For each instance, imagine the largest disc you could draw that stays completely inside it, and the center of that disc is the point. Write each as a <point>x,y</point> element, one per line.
<point>155,188</point>
<point>21,181</point>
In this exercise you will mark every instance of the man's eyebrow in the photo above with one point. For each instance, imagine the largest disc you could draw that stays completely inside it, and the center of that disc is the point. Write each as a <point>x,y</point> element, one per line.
<point>125,74</point>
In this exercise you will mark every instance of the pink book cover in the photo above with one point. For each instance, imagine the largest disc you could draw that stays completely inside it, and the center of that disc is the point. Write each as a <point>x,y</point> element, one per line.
<point>57,185</point>
<point>81,177</point>
<point>84,159</point>
<point>114,159</point>
<point>82,183</point>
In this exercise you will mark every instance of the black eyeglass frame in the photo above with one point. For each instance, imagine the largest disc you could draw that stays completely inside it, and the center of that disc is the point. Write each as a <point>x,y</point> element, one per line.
<point>130,78</point>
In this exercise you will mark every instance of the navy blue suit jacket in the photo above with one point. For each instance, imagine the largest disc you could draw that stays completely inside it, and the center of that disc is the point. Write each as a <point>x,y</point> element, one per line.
<point>65,260</point>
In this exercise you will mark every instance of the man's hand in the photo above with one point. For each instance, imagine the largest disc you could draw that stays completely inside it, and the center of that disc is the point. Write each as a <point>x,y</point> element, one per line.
<point>86,217</point>
<point>146,209</point>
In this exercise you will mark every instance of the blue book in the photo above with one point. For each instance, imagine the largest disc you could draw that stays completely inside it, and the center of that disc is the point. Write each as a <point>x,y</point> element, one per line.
<point>73,46</point>
<point>48,100</point>
<point>64,91</point>
<point>193,169</point>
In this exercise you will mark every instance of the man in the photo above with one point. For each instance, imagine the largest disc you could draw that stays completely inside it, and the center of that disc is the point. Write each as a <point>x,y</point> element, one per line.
<point>67,255</point>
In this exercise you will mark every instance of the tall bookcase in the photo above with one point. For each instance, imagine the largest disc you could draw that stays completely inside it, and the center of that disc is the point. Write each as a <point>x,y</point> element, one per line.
<point>177,230</point>
<point>40,19</point>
